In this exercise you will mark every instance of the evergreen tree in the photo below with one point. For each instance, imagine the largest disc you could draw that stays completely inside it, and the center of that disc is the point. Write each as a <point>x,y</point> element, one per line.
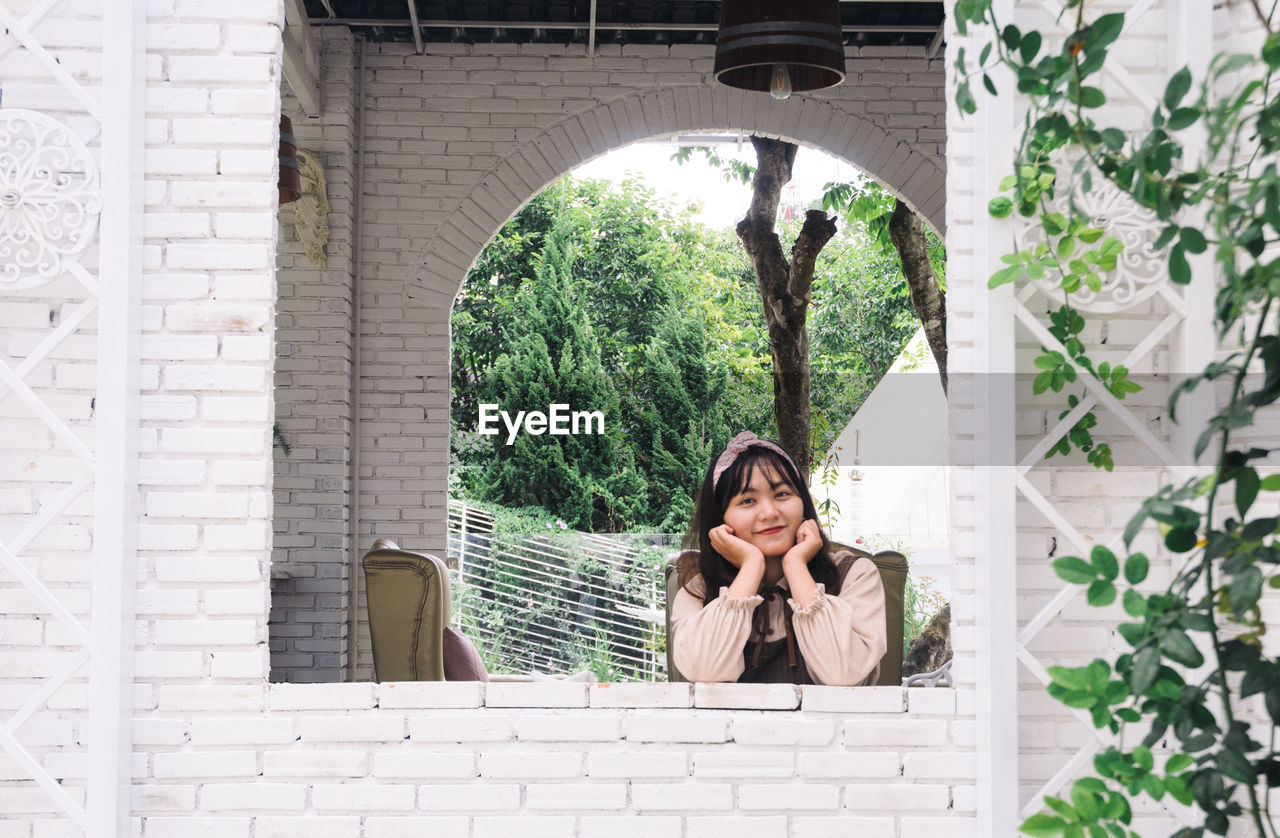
<point>588,479</point>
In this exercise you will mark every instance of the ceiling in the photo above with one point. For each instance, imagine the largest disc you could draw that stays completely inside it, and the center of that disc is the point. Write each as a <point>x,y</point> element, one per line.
<point>866,22</point>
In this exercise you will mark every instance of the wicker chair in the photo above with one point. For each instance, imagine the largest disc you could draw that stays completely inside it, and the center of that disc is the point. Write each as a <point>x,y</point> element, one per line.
<point>893,575</point>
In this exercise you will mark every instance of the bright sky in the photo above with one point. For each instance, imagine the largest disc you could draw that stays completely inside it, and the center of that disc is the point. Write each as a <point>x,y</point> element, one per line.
<point>723,203</point>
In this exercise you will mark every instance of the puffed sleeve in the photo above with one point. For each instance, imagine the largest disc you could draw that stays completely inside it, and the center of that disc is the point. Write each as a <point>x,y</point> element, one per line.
<point>843,637</point>
<point>707,641</point>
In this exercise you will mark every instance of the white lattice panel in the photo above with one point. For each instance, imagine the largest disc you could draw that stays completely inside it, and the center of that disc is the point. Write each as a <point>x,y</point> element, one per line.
<point>52,136</point>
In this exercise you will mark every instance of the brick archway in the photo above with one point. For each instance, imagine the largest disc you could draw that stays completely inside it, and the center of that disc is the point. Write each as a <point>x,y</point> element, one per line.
<point>905,169</point>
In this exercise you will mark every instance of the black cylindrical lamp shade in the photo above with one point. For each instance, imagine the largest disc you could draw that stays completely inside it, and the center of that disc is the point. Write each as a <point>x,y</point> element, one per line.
<point>757,35</point>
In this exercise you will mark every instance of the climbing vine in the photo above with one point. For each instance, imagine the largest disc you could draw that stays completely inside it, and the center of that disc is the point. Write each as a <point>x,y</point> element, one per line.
<point>1195,657</point>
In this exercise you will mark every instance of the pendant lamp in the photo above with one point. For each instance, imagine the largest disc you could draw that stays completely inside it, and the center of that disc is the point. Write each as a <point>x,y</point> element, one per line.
<point>780,47</point>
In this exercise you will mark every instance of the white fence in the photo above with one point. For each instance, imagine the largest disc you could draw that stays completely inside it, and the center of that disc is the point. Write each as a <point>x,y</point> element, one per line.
<point>559,602</point>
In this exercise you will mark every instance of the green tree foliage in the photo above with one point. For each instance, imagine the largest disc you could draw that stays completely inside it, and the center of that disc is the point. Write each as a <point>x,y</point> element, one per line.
<point>588,479</point>
<point>674,313</point>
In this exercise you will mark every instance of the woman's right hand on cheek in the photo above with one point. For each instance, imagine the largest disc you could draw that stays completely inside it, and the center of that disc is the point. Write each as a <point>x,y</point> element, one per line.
<point>736,551</point>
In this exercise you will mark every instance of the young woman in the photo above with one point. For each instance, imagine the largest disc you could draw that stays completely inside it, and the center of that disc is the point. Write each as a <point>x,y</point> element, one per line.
<point>763,600</point>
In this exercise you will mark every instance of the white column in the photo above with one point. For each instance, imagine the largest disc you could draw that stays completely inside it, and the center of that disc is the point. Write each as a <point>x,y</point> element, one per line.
<point>115,517</point>
<point>995,494</point>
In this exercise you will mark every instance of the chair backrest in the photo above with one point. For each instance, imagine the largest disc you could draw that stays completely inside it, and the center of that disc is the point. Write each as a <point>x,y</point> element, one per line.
<point>408,598</point>
<point>893,576</point>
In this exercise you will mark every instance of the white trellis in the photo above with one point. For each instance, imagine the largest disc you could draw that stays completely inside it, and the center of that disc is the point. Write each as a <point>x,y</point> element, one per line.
<point>52,198</point>
<point>1186,327</point>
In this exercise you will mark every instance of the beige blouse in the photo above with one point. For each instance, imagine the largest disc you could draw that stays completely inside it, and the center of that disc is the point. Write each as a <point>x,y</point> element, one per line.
<point>841,637</point>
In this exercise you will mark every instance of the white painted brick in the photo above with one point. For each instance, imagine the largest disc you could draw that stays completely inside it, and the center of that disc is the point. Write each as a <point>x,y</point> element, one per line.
<point>847,827</point>
<point>864,733</point>
<point>306,827</point>
<point>480,727</point>
<point>750,696</point>
<point>204,764</point>
<point>637,764</point>
<point>416,827</point>
<point>853,699</point>
<point>237,537</point>
<point>207,441</point>
<point>516,694</point>
<point>788,797</point>
<point>629,826</point>
<point>424,765</point>
<point>209,697</point>
<point>234,408</point>
<point>265,797</point>
<point>594,727</point>
<point>737,827</point>
<point>349,696</point>
<point>362,798</point>
<point>221,569</point>
<point>196,505</point>
<point>222,130</point>
<point>240,664</point>
<point>247,348</point>
<point>430,694</point>
<point>508,765</point>
<point>576,796</point>
<point>935,701</point>
<point>315,763</point>
<point>745,764</point>
<point>159,731</point>
<point>640,695</point>
<point>207,633</point>
<point>772,729</point>
<point>850,765</point>
<point>940,766</point>
<point>243,731</point>
<point>167,664</point>
<point>468,798</point>
<point>915,797</point>
<point>670,727</point>
<point>933,827</point>
<point>380,728</point>
<point>682,797</point>
<point>525,827</point>
<point>199,827</point>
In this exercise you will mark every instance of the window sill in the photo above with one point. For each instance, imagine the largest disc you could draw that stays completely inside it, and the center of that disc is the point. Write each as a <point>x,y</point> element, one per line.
<point>460,694</point>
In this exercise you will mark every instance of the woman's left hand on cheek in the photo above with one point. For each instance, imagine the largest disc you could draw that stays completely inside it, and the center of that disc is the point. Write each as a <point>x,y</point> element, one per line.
<point>808,543</point>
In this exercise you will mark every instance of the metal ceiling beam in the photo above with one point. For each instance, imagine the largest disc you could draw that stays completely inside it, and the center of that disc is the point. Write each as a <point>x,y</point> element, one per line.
<point>905,29</point>
<point>417,27</point>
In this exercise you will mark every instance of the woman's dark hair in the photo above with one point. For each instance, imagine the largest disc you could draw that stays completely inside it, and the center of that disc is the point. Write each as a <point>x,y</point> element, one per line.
<point>708,513</point>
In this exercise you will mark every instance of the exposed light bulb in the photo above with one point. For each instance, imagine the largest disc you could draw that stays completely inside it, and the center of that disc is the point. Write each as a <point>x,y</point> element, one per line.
<point>780,82</point>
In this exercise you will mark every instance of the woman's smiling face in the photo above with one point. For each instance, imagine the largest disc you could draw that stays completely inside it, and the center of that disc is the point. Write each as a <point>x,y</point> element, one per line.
<point>767,512</point>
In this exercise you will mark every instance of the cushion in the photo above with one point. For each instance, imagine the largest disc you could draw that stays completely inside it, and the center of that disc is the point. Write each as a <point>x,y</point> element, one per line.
<point>461,660</point>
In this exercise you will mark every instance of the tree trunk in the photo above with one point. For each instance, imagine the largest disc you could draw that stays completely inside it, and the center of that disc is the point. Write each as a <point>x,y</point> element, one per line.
<point>907,233</point>
<point>784,290</point>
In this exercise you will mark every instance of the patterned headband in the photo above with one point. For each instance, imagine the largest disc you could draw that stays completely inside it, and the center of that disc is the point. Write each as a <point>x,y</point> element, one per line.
<point>736,446</point>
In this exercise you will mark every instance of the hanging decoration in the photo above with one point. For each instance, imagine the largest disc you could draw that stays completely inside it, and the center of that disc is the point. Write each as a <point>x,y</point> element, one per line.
<point>783,48</point>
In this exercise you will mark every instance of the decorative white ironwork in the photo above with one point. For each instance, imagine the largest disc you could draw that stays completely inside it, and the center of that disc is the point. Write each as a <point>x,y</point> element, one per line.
<point>50,198</point>
<point>1140,271</point>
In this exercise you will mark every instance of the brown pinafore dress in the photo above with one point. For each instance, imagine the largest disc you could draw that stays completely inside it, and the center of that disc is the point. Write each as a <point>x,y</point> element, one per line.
<point>779,661</point>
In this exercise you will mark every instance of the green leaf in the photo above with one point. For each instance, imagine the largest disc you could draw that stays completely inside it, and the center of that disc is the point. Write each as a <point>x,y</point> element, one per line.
<point>1247,486</point>
<point>1100,593</point>
<point>1271,483</point>
<point>1105,562</point>
<point>1089,235</point>
<point>1177,88</point>
<point>1183,118</point>
<point>1178,762</point>
<point>1135,568</point>
<point>1113,138</point>
<point>1092,97</point>
<point>1135,604</point>
<point>1146,664</point>
<point>1237,766</point>
<point>1178,647</point>
<point>1075,570</point>
<point>1193,240</point>
<point>1179,267</point>
<point>1042,826</point>
<point>1004,276</point>
<point>1245,589</point>
<point>1142,758</point>
<point>1180,539</point>
<point>1000,207</point>
<point>1085,803</point>
<point>1072,679</point>
<point>1030,46</point>
<point>1105,30</point>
